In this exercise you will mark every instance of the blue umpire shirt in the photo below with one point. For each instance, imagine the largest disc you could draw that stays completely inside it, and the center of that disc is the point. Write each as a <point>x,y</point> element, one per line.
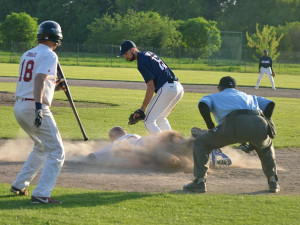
<point>152,67</point>
<point>230,99</point>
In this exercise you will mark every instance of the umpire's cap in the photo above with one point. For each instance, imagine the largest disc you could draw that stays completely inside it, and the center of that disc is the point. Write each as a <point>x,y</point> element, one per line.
<point>227,82</point>
<point>125,46</point>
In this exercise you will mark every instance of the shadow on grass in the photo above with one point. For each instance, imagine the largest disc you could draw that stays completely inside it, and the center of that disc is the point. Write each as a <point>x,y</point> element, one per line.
<point>72,200</point>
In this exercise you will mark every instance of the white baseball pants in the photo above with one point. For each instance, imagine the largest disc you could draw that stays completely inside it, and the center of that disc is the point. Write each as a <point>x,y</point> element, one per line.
<point>160,107</point>
<point>268,71</point>
<point>48,150</point>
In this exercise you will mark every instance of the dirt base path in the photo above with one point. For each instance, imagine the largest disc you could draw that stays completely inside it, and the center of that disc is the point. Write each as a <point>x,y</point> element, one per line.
<point>267,92</point>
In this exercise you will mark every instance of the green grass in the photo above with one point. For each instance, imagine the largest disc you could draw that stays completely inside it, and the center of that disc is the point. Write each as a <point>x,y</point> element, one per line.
<point>185,76</point>
<point>117,104</point>
<point>81,206</point>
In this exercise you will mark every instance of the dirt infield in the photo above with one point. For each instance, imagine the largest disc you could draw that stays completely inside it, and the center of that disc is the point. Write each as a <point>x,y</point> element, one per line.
<point>244,176</point>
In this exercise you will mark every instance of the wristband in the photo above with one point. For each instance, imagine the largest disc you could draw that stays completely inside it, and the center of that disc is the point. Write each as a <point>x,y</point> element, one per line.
<point>38,105</point>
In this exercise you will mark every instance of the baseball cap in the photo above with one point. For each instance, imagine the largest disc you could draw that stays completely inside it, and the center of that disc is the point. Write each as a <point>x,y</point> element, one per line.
<point>266,51</point>
<point>227,82</point>
<point>125,46</point>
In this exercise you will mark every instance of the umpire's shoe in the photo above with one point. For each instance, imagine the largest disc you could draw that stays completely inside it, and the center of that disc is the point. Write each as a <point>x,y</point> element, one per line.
<point>273,185</point>
<point>198,185</point>
<point>17,191</point>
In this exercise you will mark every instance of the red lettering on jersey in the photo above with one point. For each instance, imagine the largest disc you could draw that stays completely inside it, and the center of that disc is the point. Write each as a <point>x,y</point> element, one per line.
<point>31,54</point>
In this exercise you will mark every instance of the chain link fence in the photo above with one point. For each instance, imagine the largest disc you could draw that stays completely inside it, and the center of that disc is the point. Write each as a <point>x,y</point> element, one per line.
<point>230,57</point>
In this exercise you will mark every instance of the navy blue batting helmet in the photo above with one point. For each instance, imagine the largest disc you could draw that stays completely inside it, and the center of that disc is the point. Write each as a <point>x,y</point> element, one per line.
<point>50,31</point>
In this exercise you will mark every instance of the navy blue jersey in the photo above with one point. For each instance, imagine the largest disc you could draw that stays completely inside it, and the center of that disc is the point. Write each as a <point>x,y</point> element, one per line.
<point>265,61</point>
<point>152,67</point>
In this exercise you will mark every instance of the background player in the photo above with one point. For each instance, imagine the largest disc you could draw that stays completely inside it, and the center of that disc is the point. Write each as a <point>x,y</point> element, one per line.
<point>34,95</point>
<point>265,66</point>
<point>159,79</point>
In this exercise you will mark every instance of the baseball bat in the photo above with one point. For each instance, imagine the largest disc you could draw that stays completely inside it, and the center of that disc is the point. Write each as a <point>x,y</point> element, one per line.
<point>61,76</point>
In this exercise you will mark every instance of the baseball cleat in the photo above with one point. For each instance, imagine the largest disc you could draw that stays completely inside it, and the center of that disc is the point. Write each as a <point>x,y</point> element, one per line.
<point>198,185</point>
<point>273,185</point>
<point>17,191</point>
<point>44,200</point>
<point>218,158</point>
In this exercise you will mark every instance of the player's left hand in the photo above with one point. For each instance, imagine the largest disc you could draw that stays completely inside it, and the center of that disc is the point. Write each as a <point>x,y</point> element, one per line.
<point>136,117</point>
<point>38,118</point>
<point>60,85</point>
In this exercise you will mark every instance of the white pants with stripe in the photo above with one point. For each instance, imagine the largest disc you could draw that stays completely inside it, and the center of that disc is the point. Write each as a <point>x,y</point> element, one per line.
<point>268,71</point>
<point>48,150</point>
<point>160,107</point>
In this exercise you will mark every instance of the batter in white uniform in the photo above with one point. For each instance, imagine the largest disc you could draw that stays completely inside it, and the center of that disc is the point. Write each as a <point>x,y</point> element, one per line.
<point>159,79</point>
<point>34,94</point>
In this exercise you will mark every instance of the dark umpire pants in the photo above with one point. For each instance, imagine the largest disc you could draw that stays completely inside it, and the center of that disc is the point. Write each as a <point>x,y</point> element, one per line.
<point>240,126</point>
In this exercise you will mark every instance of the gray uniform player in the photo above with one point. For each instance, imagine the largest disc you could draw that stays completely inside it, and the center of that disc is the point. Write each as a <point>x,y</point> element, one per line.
<point>239,120</point>
<point>34,94</point>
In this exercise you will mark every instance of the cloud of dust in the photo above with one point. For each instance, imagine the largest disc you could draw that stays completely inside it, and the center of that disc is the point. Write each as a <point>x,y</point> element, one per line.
<point>167,151</point>
<point>241,159</point>
<point>19,149</point>
<point>15,150</point>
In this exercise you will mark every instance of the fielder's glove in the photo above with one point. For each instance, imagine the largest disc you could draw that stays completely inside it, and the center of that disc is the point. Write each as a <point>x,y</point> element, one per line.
<point>38,117</point>
<point>136,117</point>
<point>273,74</point>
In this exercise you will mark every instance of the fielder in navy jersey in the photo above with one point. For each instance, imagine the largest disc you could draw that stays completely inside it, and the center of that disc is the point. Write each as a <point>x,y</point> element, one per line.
<point>265,66</point>
<point>159,79</point>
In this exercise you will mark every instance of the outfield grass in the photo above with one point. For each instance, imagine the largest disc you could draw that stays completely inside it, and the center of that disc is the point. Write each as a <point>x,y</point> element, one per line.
<point>181,63</point>
<point>185,76</point>
<point>83,206</point>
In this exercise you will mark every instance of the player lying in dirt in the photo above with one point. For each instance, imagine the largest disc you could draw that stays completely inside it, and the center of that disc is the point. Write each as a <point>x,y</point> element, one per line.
<point>168,150</point>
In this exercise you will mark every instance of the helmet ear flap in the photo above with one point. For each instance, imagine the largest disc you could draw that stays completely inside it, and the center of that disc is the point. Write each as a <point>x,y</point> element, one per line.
<point>50,31</point>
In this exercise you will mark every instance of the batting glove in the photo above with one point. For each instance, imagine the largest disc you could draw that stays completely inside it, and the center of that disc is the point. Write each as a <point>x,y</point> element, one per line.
<point>38,114</point>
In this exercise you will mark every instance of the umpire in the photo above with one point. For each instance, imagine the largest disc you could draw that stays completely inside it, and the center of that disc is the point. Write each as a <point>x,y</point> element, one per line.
<point>240,120</point>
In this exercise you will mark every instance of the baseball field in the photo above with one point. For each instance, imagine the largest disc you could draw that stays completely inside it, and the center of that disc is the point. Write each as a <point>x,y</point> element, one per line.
<point>149,191</point>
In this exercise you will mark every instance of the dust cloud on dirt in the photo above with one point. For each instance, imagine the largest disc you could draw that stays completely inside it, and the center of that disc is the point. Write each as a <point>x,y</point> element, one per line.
<point>168,151</point>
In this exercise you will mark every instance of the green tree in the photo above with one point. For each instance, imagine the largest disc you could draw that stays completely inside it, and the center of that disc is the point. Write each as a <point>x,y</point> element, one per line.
<point>264,39</point>
<point>242,15</point>
<point>9,6</point>
<point>200,37</point>
<point>175,9</point>
<point>290,40</point>
<point>73,16</point>
<point>144,28</point>
<point>19,27</point>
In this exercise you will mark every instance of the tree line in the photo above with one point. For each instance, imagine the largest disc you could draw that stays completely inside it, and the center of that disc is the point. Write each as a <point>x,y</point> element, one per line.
<point>156,23</point>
